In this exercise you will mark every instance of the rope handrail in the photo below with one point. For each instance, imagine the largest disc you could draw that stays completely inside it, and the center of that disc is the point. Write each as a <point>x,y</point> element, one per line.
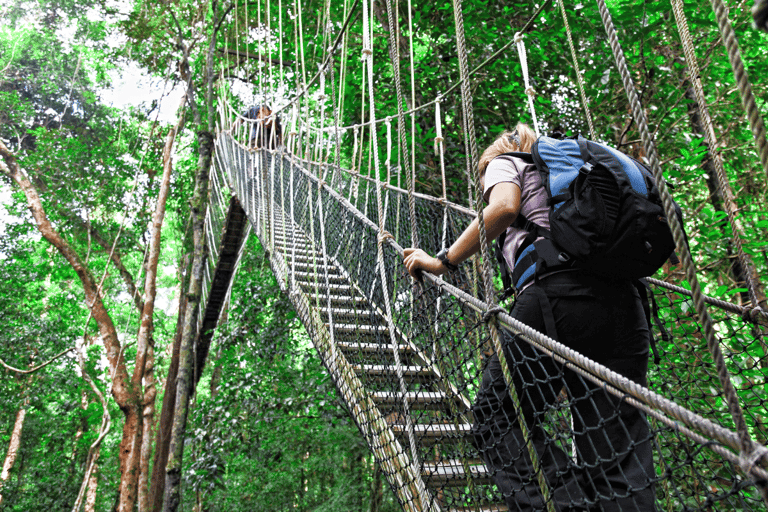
<point>752,314</point>
<point>598,373</point>
<point>746,443</point>
<point>498,53</point>
<point>452,324</point>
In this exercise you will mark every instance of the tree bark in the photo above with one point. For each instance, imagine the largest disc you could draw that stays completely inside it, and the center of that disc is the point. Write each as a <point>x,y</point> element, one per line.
<point>13,445</point>
<point>185,377</point>
<point>185,380</point>
<point>93,484</point>
<point>157,487</point>
<point>143,372</point>
<point>126,395</point>
<point>377,492</point>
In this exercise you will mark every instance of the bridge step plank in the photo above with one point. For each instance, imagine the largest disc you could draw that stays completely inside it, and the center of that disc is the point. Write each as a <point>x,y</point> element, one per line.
<point>373,348</point>
<point>419,400</point>
<point>390,371</point>
<point>436,431</point>
<point>452,473</point>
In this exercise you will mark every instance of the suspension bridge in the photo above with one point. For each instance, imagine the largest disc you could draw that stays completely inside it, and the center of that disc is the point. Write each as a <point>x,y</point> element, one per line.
<point>407,358</point>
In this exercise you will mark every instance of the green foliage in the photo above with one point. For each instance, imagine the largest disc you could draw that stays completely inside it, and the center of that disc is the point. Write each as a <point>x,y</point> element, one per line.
<point>269,431</point>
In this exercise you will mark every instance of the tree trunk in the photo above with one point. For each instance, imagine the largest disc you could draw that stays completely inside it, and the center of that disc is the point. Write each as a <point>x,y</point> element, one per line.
<point>150,394</point>
<point>93,483</point>
<point>377,492</point>
<point>13,445</point>
<point>185,380</point>
<point>157,487</point>
<point>144,369</point>
<point>126,395</point>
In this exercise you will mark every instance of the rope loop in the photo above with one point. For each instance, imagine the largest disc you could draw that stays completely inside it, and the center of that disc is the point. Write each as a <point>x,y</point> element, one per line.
<point>754,315</point>
<point>530,91</point>
<point>519,37</point>
<point>384,235</point>
<point>442,200</point>
<point>367,52</point>
<point>491,313</point>
<point>747,463</point>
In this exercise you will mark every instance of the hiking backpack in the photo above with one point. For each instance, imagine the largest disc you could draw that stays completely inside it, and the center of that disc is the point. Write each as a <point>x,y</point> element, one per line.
<point>606,214</point>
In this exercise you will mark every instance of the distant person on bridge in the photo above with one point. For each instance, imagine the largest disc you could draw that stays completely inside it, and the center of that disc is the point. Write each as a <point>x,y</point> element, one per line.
<point>266,130</point>
<point>599,317</point>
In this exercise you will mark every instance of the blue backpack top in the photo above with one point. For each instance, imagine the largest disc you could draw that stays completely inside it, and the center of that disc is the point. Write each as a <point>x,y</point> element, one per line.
<point>606,215</point>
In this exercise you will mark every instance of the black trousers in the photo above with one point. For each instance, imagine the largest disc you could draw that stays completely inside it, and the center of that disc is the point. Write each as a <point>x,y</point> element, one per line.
<point>613,466</point>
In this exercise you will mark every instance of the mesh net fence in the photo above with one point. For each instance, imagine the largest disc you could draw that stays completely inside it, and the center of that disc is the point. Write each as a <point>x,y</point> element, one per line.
<point>416,367</point>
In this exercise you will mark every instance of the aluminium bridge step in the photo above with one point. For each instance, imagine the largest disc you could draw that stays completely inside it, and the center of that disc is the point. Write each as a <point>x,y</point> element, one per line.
<point>341,299</point>
<point>299,248</point>
<point>435,432</point>
<point>389,372</point>
<point>453,473</point>
<point>311,266</point>
<point>364,312</point>
<point>310,277</point>
<point>343,289</point>
<point>337,287</point>
<point>418,400</point>
<point>372,348</point>
<point>359,329</point>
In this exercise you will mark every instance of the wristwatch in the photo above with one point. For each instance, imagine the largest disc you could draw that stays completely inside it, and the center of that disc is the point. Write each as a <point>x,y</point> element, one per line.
<point>443,257</point>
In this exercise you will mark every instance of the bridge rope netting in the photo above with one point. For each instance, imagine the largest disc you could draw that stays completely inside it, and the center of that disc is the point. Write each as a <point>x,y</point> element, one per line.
<point>334,205</point>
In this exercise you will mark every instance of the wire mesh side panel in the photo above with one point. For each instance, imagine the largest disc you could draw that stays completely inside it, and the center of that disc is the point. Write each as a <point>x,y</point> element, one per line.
<point>215,216</point>
<point>293,223</point>
<point>695,478</point>
<point>409,359</point>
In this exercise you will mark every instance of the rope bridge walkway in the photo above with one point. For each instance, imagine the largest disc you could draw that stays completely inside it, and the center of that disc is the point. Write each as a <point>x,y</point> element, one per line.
<point>408,358</point>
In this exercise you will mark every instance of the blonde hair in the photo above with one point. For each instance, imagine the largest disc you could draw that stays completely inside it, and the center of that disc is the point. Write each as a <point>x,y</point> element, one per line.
<point>506,143</point>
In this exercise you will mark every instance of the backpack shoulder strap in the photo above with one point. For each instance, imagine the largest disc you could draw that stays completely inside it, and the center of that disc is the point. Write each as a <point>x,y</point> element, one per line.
<point>527,157</point>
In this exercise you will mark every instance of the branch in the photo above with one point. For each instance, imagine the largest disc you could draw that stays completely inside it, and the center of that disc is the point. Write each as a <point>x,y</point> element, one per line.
<point>93,301</point>
<point>33,370</point>
<point>263,58</point>
<point>224,15</point>
<point>146,326</point>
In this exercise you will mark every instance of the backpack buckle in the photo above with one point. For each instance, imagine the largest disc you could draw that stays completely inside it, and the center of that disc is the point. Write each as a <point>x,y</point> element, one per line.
<point>586,168</point>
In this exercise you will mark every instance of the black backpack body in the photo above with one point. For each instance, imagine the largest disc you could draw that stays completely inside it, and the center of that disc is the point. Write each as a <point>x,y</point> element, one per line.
<point>606,215</point>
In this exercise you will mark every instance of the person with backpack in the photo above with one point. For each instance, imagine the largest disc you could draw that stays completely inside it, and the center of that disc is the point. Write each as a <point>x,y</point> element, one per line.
<point>266,132</point>
<point>599,315</point>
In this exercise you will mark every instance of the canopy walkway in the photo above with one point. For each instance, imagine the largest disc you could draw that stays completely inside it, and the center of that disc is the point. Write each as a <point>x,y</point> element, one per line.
<point>407,358</point>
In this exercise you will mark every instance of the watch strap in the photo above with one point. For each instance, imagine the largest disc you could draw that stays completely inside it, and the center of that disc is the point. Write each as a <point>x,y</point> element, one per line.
<point>443,257</point>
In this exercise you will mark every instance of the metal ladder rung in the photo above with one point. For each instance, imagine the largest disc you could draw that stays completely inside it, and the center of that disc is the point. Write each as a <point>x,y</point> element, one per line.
<point>420,400</point>
<point>452,472</point>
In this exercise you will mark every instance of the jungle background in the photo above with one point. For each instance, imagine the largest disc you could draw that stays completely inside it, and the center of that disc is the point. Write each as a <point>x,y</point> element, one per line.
<point>101,206</point>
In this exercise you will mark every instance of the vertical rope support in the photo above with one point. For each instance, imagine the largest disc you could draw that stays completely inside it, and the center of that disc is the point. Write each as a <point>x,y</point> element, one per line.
<point>424,495</point>
<point>413,87</point>
<point>487,272</point>
<point>579,78</point>
<point>746,445</point>
<point>756,293</point>
<point>394,55</point>
<point>756,123</point>
<point>529,90</point>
